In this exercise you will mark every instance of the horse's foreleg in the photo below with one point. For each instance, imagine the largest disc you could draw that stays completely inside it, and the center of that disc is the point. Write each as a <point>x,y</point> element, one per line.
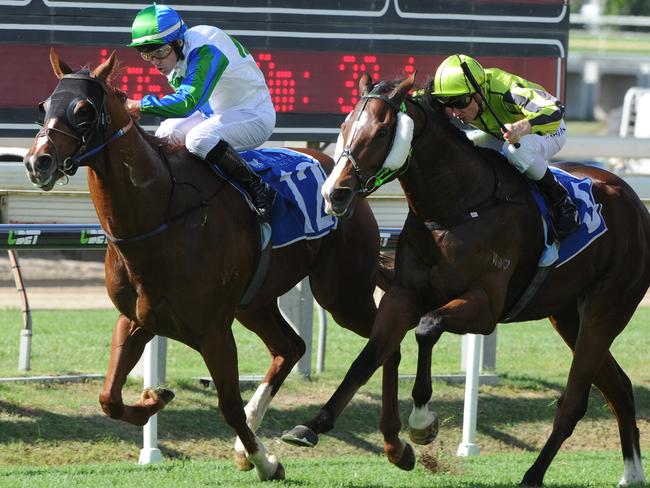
<point>423,423</point>
<point>127,345</point>
<point>468,313</point>
<point>397,313</point>
<point>286,348</point>
<point>398,452</point>
<point>220,355</point>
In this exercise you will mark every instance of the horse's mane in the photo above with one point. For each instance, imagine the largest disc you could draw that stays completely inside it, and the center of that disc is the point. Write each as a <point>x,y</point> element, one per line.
<point>436,112</point>
<point>152,139</point>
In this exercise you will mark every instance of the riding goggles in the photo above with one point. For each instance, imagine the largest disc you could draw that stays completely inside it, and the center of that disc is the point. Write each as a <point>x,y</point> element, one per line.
<point>159,53</point>
<point>459,102</point>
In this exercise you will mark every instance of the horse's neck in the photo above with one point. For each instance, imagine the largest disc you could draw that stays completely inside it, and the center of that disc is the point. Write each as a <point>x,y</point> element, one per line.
<point>131,187</point>
<point>447,177</point>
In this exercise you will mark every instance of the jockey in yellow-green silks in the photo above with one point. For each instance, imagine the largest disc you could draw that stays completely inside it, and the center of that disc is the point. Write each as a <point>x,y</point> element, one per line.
<point>532,118</point>
<point>221,103</point>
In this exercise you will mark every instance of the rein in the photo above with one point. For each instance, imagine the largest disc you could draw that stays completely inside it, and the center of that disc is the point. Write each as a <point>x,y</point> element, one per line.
<point>168,220</point>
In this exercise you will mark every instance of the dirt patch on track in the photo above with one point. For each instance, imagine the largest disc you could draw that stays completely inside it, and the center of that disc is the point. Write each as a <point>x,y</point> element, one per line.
<point>55,280</point>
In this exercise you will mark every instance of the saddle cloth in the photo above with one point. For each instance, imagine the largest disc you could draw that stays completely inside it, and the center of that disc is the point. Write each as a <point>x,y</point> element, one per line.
<point>592,224</point>
<point>299,210</point>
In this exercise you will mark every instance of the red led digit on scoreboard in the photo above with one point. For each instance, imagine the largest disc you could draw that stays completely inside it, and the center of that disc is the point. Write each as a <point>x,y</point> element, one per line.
<point>281,83</point>
<point>138,81</point>
<point>353,66</point>
<point>299,82</point>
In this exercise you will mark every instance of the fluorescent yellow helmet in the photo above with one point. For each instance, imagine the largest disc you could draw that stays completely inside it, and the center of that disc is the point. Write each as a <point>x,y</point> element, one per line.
<point>450,81</point>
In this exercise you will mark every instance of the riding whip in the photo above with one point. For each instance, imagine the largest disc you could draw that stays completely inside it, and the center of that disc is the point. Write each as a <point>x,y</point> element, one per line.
<point>477,88</point>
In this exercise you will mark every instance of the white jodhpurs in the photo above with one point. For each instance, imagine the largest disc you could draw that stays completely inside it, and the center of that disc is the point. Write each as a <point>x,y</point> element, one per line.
<point>534,151</point>
<point>243,129</point>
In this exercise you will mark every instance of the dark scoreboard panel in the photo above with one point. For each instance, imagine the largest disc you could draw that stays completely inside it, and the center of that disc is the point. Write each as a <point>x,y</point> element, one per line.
<point>312,53</point>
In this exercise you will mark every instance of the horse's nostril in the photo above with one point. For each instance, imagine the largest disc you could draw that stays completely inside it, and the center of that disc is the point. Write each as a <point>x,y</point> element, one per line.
<point>43,162</point>
<point>340,195</point>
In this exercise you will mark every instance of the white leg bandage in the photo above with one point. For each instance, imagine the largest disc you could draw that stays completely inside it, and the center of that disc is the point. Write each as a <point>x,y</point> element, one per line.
<point>255,410</point>
<point>632,471</point>
<point>265,465</point>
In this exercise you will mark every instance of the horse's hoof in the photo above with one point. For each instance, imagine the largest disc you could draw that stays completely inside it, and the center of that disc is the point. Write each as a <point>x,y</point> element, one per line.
<point>407,463</point>
<point>165,395</point>
<point>425,436</point>
<point>279,473</point>
<point>301,436</point>
<point>242,463</point>
<point>529,481</point>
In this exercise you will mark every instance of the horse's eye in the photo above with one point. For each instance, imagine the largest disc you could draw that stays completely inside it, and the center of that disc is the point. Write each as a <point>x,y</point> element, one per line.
<point>84,114</point>
<point>42,110</point>
<point>383,132</point>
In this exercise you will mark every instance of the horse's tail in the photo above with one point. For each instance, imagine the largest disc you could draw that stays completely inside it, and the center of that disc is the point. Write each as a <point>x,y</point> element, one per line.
<point>386,272</point>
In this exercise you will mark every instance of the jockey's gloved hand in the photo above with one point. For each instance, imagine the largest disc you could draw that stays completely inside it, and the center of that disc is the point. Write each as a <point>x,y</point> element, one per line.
<point>516,131</point>
<point>133,107</point>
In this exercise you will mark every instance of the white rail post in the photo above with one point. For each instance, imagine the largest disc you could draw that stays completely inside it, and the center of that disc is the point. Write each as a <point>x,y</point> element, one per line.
<point>468,446</point>
<point>150,452</point>
<point>322,339</point>
<point>297,308</point>
<point>25,349</point>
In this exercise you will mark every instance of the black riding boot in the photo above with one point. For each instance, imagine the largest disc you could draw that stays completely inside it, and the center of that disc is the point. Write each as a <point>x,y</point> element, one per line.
<point>229,160</point>
<point>564,212</point>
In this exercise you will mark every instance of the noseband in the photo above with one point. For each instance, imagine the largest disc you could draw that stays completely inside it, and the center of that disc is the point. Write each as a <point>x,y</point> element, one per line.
<point>84,132</point>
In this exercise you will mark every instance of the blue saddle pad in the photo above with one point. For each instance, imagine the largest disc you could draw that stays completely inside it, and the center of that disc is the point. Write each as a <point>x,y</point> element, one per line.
<point>299,210</point>
<point>592,224</point>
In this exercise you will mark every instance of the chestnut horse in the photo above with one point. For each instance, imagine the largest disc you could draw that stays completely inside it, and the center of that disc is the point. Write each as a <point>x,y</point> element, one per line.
<point>469,248</point>
<point>183,246</point>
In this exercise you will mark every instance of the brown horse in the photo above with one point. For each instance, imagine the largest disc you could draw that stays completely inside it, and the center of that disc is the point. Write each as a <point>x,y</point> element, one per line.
<point>183,246</point>
<point>469,248</point>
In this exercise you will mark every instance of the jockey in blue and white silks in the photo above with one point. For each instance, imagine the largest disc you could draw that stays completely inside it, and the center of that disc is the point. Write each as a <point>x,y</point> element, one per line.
<point>221,103</point>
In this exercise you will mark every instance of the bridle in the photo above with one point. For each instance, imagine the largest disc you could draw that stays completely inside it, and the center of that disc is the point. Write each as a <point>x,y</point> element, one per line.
<point>83,132</point>
<point>383,175</point>
<point>96,129</point>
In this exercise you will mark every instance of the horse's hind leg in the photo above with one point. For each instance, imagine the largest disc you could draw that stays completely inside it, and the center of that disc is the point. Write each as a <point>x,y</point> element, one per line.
<point>616,387</point>
<point>127,345</point>
<point>590,338</point>
<point>219,352</point>
<point>286,348</point>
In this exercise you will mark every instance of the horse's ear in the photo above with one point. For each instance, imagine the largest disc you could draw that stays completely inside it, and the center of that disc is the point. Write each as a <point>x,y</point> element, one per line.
<point>59,67</point>
<point>399,94</point>
<point>104,70</point>
<point>365,84</point>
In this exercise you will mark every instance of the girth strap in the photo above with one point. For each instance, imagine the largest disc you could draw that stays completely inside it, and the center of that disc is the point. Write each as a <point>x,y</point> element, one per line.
<point>262,266</point>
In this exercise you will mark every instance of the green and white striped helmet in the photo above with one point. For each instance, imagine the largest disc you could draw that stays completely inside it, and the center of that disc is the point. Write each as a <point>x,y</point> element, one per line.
<point>157,24</point>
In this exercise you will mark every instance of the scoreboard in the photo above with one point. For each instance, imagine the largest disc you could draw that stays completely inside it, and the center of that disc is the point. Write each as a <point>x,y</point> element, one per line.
<point>311,53</point>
